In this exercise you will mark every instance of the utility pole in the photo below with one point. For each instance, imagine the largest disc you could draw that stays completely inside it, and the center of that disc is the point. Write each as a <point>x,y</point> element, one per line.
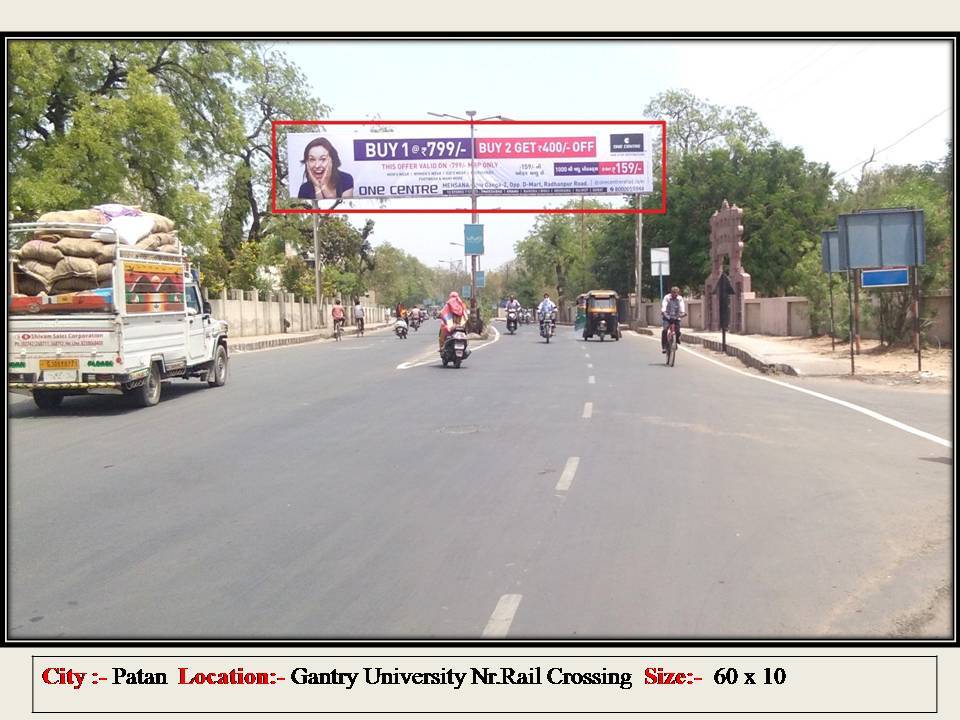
<point>639,259</point>
<point>475,319</point>
<point>316,261</point>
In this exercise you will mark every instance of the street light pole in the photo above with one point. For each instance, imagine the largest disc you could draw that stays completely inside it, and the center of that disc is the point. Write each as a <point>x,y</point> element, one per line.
<point>471,116</point>
<point>473,219</point>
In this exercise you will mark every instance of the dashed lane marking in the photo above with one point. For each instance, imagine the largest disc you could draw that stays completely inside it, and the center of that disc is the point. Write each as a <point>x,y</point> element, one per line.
<point>499,623</point>
<point>566,477</point>
<point>433,358</point>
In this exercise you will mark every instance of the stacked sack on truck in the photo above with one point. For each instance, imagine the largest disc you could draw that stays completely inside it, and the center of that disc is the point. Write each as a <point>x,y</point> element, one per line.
<point>62,260</point>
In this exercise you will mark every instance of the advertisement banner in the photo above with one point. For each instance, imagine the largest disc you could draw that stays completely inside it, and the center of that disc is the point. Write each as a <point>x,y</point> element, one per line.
<point>506,158</point>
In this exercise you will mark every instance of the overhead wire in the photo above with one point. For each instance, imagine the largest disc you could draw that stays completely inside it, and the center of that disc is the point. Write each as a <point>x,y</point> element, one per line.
<point>893,144</point>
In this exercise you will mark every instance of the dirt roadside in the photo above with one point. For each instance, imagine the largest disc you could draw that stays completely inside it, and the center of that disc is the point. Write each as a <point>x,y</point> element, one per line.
<point>885,365</point>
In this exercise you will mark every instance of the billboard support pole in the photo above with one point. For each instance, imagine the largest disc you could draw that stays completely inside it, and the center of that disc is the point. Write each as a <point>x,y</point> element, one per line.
<point>916,315</point>
<point>474,312</point>
<point>833,333</point>
<point>850,295</point>
<point>316,261</point>
<point>857,279</point>
<point>639,244</point>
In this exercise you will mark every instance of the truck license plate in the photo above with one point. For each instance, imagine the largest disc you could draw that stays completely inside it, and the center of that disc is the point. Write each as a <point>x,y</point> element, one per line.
<point>60,376</point>
<point>60,364</point>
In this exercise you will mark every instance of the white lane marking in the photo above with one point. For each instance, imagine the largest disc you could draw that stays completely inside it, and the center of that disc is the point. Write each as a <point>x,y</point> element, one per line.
<point>499,623</point>
<point>587,410</point>
<point>408,365</point>
<point>589,365</point>
<point>837,401</point>
<point>587,355</point>
<point>591,380</point>
<point>566,477</point>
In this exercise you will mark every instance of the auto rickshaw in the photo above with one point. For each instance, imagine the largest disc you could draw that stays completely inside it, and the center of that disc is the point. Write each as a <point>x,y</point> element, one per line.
<point>602,316</point>
<point>581,320</point>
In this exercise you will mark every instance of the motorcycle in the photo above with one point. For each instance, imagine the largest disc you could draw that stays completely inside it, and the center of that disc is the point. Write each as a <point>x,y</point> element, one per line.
<point>548,325</point>
<point>511,321</point>
<point>415,323</point>
<point>455,347</point>
<point>400,328</point>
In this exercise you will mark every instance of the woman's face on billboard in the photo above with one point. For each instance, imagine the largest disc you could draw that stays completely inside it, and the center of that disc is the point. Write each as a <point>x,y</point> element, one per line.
<point>318,163</point>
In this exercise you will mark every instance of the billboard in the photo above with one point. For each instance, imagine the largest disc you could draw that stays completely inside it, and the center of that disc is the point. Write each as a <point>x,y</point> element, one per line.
<point>440,160</point>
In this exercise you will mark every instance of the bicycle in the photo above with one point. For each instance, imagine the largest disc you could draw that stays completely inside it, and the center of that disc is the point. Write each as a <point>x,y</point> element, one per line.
<point>672,342</point>
<point>338,329</point>
<point>359,327</point>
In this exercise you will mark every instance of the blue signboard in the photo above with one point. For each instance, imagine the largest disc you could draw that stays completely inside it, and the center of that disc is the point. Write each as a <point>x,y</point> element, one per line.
<point>473,239</point>
<point>480,279</point>
<point>466,292</point>
<point>830,251</point>
<point>881,239</point>
<point>887,277</point>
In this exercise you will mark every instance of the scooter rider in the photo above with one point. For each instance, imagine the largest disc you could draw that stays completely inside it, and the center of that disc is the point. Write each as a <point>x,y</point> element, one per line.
<point>453,313</point>
<point>513,303</point>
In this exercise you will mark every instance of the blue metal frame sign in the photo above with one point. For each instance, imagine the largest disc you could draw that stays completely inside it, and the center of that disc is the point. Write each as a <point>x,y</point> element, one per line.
<point>481,279</point>
<point>881,239</point>
<point>887,277</point>
<point>830,251</point>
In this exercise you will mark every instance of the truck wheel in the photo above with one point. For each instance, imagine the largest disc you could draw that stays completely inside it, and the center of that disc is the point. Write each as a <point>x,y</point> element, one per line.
<point>47,399</point>
<point>217,375</point>
<point>148,394</point>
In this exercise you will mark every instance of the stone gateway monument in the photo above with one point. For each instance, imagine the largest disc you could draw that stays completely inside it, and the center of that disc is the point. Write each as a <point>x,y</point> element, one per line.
<point>726,254</point>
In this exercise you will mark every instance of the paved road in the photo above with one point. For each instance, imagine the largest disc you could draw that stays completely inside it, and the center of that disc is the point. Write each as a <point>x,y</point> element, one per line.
<point>325,493</point>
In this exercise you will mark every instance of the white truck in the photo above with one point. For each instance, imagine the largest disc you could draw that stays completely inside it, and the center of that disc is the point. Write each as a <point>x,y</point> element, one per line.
<point>147,324</point>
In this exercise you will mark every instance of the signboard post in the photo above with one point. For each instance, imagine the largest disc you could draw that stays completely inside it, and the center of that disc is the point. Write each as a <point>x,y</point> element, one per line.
<point>876,242</point>
<point>660,264</point>
<point>830,257</point>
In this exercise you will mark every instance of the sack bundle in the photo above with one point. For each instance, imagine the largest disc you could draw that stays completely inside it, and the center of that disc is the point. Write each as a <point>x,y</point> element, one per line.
<point>61,259</point>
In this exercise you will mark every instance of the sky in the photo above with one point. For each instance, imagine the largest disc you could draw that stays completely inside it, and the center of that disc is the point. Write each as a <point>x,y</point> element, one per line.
<point>836,99</point>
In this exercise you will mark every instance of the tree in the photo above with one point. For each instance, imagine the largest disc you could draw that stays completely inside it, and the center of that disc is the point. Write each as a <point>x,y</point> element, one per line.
<point>910,186</point>
<point>138,121</point>
<point>558,252</point>
<point>696,126</point>
<point>399,277</point>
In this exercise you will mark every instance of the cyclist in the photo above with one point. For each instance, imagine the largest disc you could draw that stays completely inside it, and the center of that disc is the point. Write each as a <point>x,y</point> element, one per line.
<point>358,316</point>
<point>337,313</point>
<point>672,308</point>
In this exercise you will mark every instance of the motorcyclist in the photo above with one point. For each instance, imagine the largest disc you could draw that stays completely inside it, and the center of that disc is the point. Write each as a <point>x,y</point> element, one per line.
<point>453,313</point>
<point>546,308</point>
<point>513,303</point>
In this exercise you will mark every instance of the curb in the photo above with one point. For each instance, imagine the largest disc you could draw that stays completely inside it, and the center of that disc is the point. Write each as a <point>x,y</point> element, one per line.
<point>744,357</point>
<point>733,351</point>
<point>286,340</point>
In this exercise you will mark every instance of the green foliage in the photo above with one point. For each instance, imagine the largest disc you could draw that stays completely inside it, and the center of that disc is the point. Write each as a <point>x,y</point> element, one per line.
<point>159,124</point>
<point>920,187</point>
<point>557,256</point>
<point>399,277</point>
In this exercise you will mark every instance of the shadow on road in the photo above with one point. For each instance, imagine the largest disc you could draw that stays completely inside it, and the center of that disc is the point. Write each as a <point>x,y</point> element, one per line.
<point>943,460</point>
<point>99,405</point>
